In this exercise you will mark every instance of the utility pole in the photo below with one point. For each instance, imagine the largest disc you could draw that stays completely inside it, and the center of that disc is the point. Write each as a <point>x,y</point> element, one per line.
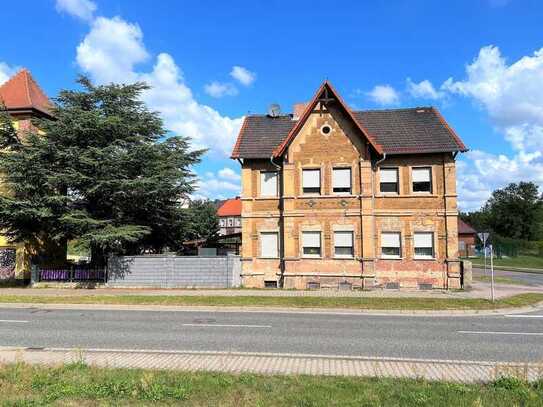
<point>492,273</point>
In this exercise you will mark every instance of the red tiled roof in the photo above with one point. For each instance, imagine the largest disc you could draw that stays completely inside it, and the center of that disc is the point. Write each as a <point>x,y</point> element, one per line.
<point>231,207</point>
<point>21,92</point>
<point>464,228</point>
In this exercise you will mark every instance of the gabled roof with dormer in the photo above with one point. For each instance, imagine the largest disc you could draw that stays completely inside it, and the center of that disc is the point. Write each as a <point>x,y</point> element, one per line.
<point>416,130</point>
<point>22,94</point>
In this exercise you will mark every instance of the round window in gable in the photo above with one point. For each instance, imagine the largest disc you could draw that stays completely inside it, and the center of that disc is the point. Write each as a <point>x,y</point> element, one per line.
<point>326,130</point>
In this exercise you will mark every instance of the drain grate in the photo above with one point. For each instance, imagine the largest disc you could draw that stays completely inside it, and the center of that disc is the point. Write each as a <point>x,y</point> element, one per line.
<point>392,286</point>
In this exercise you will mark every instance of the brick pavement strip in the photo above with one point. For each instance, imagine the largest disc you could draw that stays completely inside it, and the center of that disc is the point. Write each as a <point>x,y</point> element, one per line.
<point>282,364</point>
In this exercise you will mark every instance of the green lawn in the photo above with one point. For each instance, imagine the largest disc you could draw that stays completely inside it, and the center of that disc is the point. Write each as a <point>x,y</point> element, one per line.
<point>79,385</point>
<point>369,303</point>
<point>498,280</point>
<point>533,262</point>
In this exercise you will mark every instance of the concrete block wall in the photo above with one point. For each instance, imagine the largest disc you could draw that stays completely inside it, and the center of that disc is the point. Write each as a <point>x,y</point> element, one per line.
<point>174,271</point>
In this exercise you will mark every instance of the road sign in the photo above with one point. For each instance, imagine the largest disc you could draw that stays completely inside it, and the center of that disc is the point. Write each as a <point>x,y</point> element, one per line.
<point>484,237</point>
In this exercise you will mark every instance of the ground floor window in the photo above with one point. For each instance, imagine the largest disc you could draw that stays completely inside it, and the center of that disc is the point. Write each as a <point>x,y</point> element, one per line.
<point>424,245</point>
<point>390,245</point>
<point>343,244</point>
<point>269,245</point>
<point>311,244</point>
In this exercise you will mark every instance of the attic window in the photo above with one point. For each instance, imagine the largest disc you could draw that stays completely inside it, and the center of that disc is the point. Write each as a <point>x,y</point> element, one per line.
<point>326,130</point>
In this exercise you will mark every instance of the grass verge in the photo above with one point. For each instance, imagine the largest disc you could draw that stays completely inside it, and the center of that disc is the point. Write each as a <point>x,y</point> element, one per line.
<point>78,384</point>
<point>368,303</point>
<point>499,280</point>
<point>528,262</point>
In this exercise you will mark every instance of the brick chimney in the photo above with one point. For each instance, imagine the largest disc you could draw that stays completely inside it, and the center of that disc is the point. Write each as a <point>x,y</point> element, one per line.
<point>298,110</point>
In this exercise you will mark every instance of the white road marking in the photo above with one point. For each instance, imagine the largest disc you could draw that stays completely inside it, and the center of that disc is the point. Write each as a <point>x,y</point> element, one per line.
<point>16,321</point>
<point>501,333</point>
<point>524,316</point>
<point>229,326</point>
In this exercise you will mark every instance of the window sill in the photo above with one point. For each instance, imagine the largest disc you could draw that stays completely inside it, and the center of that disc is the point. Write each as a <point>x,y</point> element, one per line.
<point>391,258</point>
<point>343,257</point>
<point>425,258</point>
<point>312,257</point>
<point>268,258</point>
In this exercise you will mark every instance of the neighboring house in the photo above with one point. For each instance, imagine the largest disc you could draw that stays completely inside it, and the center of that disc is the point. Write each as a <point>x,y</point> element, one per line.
<point>229,214</point>
<point>467,239</point>
<point>338,198</point>
<point>23,99</point>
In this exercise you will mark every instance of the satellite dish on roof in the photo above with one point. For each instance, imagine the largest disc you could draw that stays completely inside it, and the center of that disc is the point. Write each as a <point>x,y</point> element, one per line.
<point>274,110</point>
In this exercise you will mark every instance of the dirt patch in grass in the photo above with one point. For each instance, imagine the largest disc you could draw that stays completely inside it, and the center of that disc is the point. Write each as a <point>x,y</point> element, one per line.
<point>367,303</point>
<point>77,384</point>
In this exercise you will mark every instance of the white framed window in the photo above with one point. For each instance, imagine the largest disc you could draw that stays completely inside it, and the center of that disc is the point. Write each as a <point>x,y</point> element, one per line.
<point>422,179</point>
<point>389,180</point>
<point>238,221</point>
<point>343,244</point>
<point>222,222</point>
<point>230,222</point>
<point>311,244</point>
<point>268,183</point>
<point>311,181</point>
<point>424,245</point>
<point>391,247</point>
<point>269,245</point>
<point>341,180</point>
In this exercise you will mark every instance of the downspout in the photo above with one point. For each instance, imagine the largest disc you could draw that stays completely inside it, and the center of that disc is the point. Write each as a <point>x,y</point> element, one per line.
<point>374,223</point>
<point>281,225</point>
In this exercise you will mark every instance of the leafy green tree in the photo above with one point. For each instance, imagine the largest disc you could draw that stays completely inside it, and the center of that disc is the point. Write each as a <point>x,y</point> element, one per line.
<point>202,222</point>
<point>103,173</point>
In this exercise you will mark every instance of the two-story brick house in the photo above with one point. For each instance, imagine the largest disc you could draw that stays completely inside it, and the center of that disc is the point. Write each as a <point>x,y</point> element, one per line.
<point>364,198</point>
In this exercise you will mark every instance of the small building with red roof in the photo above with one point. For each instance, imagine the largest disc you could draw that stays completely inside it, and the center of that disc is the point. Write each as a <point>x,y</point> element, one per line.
<point>467,239</point>
<point>229,214</point>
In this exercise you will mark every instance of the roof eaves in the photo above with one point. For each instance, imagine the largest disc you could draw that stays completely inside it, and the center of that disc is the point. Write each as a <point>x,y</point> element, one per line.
<point>461,146</point>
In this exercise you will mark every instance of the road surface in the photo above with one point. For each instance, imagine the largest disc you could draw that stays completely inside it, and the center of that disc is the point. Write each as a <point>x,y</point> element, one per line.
<point>533,279</point>
<point>484,338</point>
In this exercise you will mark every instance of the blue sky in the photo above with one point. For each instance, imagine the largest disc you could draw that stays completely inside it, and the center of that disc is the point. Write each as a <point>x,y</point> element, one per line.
<point>210,62</point>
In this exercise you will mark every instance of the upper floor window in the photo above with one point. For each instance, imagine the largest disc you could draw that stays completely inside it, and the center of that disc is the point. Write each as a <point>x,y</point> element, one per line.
<point>230,222</point>
<point>238,221</point>
<point>341,180</point>
<point>268,183</point>
<point>311,244</point>
<point>343,244</point>
<point>311,181</point>
<point>422,179</point>
<point>389,180</point>
<point>424,245</point>
<point>222,222</point>
<point>390,245</point>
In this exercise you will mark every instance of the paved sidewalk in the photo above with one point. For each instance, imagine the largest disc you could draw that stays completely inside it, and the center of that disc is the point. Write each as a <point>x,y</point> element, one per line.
<point>479,290</point>
<point>277,364</point>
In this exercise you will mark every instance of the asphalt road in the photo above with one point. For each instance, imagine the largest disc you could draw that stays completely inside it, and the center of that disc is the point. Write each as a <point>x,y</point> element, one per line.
<point>485,338</point>
<point>534,279</point>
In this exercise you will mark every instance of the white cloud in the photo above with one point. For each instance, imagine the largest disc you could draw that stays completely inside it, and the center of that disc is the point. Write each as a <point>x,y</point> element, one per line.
<point>512,95</point>
<point>110,53</point>
<point>229,174</point>
<point>111,49</point>
<point>210,186</point>
<point>218,89</point>
<point>423,90</point>
<point>83,9</point>
<point>243,75</point>
<point>6,72</point>
<point>384,95</point>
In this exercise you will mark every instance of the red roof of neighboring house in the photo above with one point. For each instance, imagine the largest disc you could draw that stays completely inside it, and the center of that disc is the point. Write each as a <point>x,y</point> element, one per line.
<point>231,207</point>
<point>464,228</point>
<point>22,93</point>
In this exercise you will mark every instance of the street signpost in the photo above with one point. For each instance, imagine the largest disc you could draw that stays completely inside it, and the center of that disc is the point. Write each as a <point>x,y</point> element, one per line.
<point>484,237</point>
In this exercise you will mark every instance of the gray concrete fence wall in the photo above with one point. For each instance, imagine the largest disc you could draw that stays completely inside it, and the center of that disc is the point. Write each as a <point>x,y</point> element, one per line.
<point>174,271</point>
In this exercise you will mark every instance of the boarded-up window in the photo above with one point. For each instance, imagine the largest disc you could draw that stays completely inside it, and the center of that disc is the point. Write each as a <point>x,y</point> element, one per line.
<point>268,183</point>
<point>269,244</point>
